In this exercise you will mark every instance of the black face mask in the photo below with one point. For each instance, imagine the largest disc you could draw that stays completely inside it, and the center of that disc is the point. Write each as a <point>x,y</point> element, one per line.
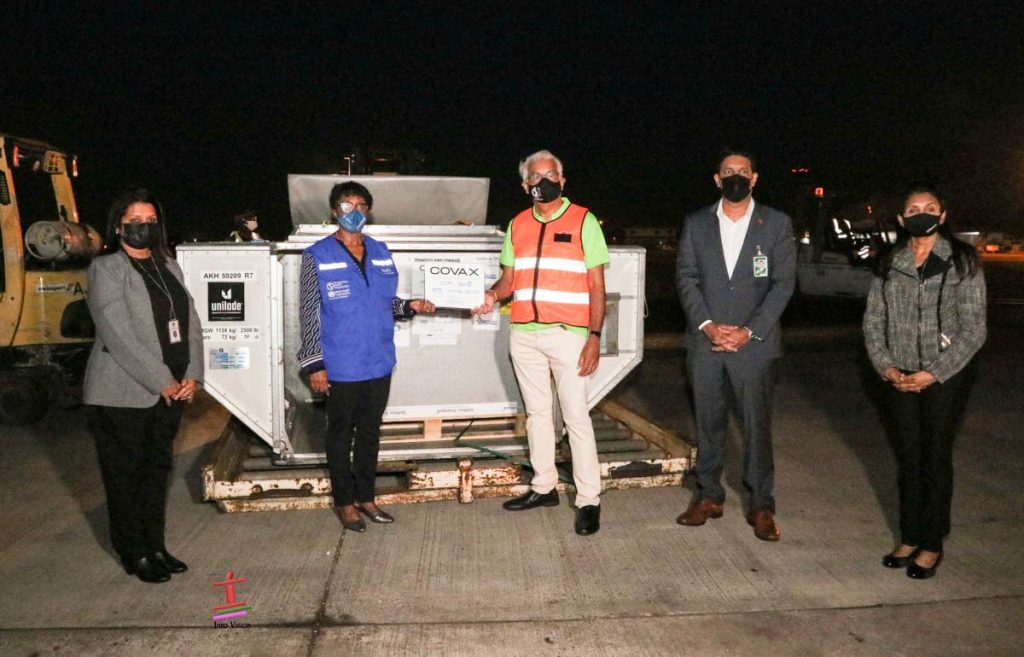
<point>140,236</point>
<point>545,191</point>
<point>921,225</point>
<point>735,188</point>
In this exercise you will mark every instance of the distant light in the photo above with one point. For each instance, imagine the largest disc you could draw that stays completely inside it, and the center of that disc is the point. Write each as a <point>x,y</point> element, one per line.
<point>819,192</point>
<point>870,210</point>
<point>74,166</point>
<point>15,156</point>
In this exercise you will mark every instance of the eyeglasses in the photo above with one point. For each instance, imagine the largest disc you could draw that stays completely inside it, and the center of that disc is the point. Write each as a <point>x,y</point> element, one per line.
<point>535,177</point>
<point>345,206</point>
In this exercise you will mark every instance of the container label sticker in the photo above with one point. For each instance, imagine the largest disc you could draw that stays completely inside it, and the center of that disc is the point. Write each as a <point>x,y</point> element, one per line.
<point>227,302</point>
<point>229,358</point>
<point>232,333</point>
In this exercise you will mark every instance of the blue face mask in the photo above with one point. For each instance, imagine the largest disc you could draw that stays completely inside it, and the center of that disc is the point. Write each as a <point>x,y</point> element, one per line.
<point>352,221</point>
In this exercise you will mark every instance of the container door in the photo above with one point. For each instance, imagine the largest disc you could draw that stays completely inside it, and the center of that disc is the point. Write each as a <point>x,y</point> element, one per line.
<point>233,288</point>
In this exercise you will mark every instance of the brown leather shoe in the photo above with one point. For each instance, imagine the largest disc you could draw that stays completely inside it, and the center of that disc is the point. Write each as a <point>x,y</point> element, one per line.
<point>699,513</point>
<point>763,522</point>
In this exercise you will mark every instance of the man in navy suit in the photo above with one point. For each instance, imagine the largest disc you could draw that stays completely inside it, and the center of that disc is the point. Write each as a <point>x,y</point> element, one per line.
<point>735,273</point>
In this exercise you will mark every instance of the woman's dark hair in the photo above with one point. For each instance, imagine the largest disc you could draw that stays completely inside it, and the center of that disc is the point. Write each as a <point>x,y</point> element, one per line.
<point>965,256</point>
<point>350,188</point>
<point>119,208</point>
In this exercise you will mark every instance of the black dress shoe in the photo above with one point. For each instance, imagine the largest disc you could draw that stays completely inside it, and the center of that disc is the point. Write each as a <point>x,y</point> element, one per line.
<point>167,560</point>
<point>378,516</point>
<point>588,520</point>
<point>892,561</point>
<point>148,570</point>
<point>532,500</point>
<point>915,571</point>
<point>356,525</point>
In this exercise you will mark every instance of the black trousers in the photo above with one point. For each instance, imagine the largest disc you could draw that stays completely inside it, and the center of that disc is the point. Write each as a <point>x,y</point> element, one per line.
<point>354,412</point>
<point>715,378</point>
<point>924,424</point>
<point>135,449</point>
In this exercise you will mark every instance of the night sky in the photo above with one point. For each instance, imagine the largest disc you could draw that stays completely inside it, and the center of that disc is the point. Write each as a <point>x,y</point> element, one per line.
<point>212,104</point>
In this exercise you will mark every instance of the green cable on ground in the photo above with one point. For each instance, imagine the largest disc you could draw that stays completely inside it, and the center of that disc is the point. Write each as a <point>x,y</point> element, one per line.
<point>562,475</point>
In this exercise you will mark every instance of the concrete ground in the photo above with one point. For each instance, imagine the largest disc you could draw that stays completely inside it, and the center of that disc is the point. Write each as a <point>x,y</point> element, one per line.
<point>448,579</point>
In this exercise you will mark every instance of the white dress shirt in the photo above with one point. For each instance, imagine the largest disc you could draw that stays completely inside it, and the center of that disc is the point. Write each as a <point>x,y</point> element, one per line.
<point>733,234</point>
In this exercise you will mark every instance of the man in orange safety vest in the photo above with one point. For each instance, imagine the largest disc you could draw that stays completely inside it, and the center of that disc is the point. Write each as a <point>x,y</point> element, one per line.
<point>553,269</point>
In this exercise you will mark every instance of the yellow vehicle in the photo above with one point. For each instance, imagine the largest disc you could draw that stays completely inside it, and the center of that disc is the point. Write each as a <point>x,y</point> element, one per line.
<point>45,327</point>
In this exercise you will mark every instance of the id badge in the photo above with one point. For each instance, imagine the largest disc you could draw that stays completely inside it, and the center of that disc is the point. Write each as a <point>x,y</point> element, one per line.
<point>760,265</point>
<point>174,331</point>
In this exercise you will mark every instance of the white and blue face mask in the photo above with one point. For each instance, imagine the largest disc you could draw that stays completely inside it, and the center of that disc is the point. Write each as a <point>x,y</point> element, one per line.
<point>350,218</point>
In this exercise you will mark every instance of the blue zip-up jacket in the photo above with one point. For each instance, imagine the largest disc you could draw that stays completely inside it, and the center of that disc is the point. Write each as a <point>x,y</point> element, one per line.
<point>348,318</point>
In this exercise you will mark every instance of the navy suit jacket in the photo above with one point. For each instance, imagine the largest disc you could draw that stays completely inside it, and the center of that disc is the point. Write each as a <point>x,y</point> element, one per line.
<point>708,293</point>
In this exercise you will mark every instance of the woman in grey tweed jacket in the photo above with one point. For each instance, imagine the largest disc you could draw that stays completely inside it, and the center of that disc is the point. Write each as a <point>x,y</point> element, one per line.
<point>147,362</point>
<point>925,321</point>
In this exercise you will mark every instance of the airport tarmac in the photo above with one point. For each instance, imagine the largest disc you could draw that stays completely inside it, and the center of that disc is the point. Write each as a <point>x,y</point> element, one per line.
<point>450,579</point>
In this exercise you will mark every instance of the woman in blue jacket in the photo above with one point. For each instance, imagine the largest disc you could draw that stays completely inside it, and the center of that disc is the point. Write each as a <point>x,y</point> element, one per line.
<point>348,310</point>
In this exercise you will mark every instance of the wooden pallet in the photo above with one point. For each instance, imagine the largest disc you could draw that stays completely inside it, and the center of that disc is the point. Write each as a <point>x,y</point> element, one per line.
<point>633,453</point>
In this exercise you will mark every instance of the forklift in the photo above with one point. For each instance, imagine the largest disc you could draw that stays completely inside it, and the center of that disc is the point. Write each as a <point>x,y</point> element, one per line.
<point>46,331</point>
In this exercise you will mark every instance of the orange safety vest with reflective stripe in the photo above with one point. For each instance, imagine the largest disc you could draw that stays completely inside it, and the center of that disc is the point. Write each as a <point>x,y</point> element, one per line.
<point>549,282</point>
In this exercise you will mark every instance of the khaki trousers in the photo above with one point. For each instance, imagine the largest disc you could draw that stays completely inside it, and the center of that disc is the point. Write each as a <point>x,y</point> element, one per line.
<point>537,356</point>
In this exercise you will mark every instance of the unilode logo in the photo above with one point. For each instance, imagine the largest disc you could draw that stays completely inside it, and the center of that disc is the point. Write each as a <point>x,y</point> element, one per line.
<point>224,615</point>
<point>227,302</point>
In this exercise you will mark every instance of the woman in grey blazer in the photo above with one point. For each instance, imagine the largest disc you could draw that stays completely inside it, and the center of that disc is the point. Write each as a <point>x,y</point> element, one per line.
<point>925,321</point>
<point>146,362</point>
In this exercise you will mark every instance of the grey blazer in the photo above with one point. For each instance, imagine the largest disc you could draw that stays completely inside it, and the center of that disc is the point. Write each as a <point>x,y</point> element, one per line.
<point>126,366</point>
<point>905,327</point>
<point>708,293</point>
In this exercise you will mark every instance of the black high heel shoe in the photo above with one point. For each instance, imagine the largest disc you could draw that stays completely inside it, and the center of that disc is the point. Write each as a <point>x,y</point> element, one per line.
<point>148,570</point>
<point>168,561</point>
<point>892,561</point>
<point>914,571</point>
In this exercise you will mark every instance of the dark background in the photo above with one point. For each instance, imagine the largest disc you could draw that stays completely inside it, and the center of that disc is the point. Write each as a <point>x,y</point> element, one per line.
<point>212,104</point>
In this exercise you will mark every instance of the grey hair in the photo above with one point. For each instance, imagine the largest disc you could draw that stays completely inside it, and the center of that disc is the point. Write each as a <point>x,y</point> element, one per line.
<point>524,166</point>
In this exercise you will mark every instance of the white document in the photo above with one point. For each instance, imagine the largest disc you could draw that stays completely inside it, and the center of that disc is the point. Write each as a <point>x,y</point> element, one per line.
<point>453,284</point>
<point>443,323</point>
<point>489,322</point>
<point>441,340</point>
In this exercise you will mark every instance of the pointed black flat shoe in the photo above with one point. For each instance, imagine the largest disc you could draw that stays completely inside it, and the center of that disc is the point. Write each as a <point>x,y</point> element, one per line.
<point>380,516</point>
<point>892,561</point>
<point>915,571</point>
<point>148,569</point>
<point>167,560</point>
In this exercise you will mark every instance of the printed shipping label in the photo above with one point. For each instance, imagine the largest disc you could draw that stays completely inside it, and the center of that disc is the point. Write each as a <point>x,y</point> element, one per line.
<point>229,358</point>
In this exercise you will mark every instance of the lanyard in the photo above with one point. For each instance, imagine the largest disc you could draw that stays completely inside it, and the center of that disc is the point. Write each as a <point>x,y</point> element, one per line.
<point>159,283</point>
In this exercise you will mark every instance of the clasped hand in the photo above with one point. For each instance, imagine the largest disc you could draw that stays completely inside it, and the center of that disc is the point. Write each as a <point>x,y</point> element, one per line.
<point>182,390</point>
<point>915,382</point>
<point>726,337</point>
